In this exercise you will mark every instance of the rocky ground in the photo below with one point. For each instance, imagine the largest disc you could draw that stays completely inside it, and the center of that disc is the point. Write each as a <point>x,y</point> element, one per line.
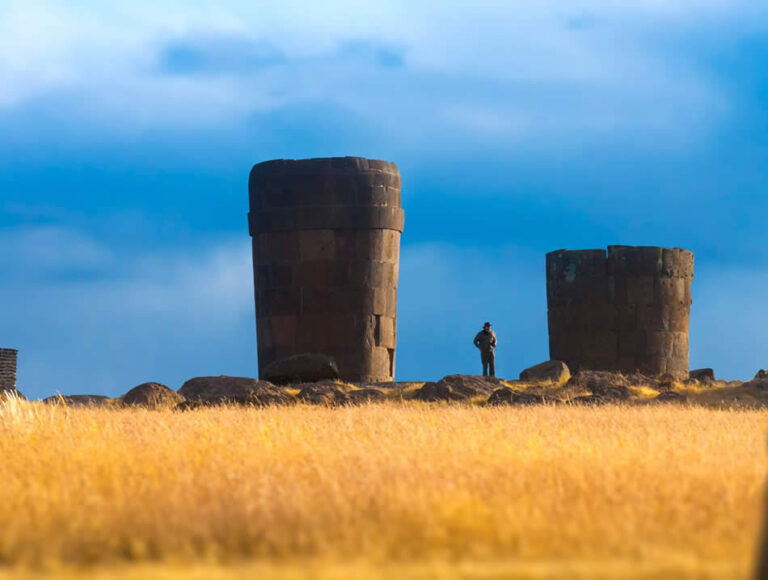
<point>585,388</point>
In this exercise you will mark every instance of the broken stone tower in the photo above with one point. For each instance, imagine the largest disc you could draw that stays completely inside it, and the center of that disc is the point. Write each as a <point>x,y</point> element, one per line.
<point>626,310</point>
<point>8,358</point>
<point>326,247</point>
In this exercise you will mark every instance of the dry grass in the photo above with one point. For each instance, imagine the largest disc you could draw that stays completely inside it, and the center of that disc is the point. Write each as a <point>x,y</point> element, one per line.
<point>381,491</point>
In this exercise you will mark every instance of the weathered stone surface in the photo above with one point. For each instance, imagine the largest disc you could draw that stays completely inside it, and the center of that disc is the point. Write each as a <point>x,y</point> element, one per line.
<point>328,395</point>
<point>702,375</point>
<point>8,362</point>
<point>470,385</point>
<point>151,396</point>
<point>507,396</point>
<point>326,246</point>
<point>603,384</point>
<point>434,392</point>
<point>670,397</point>
<point>301,368</point>
<point>611,392</point>
<point>626,310</point>
<point>552,370</point>
<point>78,400</point>
<point>224,390</point>
<point>365,395</point>
<point>758,384</point>
<point>665,381</point>
<point>592,380</point>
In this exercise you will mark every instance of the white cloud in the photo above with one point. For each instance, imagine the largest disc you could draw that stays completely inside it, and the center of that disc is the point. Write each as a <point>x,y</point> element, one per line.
<point>489,67</point>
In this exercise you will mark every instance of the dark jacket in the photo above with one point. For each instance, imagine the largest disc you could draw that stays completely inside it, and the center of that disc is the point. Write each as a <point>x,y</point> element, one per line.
<point>485,340</point>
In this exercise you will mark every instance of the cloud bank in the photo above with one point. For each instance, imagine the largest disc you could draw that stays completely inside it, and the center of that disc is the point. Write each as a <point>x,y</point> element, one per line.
<point>489,70</point>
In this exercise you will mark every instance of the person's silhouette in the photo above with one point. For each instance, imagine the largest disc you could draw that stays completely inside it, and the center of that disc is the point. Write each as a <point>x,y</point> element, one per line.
<point>485,341</point>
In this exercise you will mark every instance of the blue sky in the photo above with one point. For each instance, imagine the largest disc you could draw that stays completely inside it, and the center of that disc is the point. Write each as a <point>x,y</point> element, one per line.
<point>127,133</point>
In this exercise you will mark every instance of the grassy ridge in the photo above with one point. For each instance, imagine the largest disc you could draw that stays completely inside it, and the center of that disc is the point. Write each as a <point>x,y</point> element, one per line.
<point>538,490</point>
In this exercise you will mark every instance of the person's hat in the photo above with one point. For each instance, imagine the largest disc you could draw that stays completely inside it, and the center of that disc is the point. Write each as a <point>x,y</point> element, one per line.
<point>487,324</point>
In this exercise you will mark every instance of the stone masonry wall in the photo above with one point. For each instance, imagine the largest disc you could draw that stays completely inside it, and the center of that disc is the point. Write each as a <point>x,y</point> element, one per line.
<point>326,250</point>
<point>627,310</point>
<point>8,361</point>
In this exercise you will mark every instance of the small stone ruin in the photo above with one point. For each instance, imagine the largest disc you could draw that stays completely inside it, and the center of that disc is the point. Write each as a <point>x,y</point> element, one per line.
<point>625,310</point>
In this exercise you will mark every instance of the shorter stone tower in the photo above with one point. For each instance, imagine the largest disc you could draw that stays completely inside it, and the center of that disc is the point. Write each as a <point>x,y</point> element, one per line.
<point>626,311</point>
<point>8,358</point>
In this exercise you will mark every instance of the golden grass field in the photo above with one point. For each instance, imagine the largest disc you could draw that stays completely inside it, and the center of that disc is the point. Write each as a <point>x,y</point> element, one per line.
<point>380,491</point>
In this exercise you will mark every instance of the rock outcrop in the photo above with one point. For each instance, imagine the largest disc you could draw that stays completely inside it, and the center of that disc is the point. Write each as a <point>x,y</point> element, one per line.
<point>151,396</point>
<point>603,384</point>
<point>471,385</point>
<point>702,375</point>
<point>554,371</point>
<point>329,395</point>
<point>670,397</point>
<point>435,392</point>
<point>224,390</point>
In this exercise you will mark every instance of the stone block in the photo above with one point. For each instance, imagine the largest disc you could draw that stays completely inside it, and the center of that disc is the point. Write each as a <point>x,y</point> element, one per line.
<point>386,332</point>
<point>283,330</point>
<point>640,290</point>
<point>317,245</point>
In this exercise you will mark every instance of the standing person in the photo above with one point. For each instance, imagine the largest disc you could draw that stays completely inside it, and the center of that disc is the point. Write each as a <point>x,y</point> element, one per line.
<point>485,341</point>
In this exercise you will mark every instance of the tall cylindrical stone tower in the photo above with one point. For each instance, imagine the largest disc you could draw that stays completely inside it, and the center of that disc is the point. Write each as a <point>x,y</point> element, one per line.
<point>326,248</point>
<point>8,357</point>
<point>626,311</point>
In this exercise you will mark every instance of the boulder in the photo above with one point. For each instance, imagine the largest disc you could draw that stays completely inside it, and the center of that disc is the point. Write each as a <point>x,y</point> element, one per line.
<point>329,395</point>
<point>151,396</point>
<point>702,375</point>
<point>585,379</point>
<point>756,384</point>
<point>554,371</point>
<point>225,390</point>
<point>507,396</point>
<point>670,397</point>
<point>77,400</point>
<point>301,368</point>
<point>665,381</point>
<point>441,391</point>
<point>604,384</point>
<point>470,385</point>
<point>611,392</point>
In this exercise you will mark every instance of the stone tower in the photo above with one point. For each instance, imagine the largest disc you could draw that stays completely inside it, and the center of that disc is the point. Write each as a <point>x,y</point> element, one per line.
<point>626,311</point>
<point>326,248</point>
<point>8,357</point>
